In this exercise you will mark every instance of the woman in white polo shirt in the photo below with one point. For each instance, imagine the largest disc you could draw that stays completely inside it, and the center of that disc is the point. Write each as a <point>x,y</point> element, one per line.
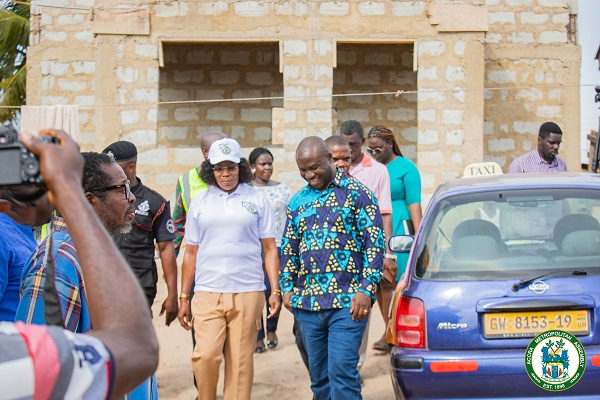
<point>227,227</point>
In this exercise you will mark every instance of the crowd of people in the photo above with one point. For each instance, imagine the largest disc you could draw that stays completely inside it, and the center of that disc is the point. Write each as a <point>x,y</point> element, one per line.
<point>249,242</point>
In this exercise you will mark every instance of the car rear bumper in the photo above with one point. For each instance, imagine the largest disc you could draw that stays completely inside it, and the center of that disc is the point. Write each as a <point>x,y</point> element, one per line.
<point>497,374</point>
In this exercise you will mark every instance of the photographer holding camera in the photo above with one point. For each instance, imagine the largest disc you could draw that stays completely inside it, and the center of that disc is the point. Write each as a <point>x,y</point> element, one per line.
<point>123,349</point>
<point>108,190</point>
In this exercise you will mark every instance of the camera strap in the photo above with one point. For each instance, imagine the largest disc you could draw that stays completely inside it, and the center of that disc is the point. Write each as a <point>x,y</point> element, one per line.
<point>52,311</point>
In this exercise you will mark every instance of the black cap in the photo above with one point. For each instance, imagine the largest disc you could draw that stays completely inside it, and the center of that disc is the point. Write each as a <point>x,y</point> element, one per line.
<point>122,151</point>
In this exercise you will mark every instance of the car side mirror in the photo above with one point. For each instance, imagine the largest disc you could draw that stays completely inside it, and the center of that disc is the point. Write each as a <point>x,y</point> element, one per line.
<point>401,243</point>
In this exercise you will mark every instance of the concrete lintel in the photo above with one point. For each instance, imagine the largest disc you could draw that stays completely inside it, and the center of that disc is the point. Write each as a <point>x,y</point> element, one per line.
<point>162,41</point>
<point>459,17</point>
<point>375,41</point>
<point>121,21</point>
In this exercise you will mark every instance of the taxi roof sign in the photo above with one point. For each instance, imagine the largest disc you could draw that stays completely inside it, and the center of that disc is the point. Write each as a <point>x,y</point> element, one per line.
<point>482,169</point>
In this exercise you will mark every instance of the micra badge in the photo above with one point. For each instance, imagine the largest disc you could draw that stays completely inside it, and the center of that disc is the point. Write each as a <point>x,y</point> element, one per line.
<point>538,287</point>
<point>450,326</point>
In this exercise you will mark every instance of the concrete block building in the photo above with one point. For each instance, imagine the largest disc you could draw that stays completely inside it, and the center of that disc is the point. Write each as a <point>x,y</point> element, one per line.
<point>458,81</point>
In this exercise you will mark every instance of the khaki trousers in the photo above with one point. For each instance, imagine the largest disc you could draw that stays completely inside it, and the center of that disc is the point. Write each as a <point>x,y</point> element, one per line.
<point>226,325</point>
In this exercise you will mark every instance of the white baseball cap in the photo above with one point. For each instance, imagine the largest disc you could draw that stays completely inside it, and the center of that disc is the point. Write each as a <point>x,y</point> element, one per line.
<point>225,149</point>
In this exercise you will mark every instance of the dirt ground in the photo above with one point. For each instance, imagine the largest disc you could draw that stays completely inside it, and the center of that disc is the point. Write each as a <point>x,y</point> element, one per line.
<point>278,373</point>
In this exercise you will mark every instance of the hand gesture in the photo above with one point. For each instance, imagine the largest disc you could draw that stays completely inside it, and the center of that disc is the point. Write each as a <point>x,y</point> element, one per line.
<point>361,306</point>
<point>171,307</point>
<point>185,314</point>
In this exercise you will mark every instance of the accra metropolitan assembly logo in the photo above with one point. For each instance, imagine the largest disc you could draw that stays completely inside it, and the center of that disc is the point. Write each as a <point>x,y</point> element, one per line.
<point>555,360</point>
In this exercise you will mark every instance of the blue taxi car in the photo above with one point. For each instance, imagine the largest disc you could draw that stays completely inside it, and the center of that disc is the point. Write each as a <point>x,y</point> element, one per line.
<point>498,260</point>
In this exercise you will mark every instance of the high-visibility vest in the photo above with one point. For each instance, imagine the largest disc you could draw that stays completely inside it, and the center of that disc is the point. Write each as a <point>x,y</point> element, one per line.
<point>190,184</point>
<point>41,232</point>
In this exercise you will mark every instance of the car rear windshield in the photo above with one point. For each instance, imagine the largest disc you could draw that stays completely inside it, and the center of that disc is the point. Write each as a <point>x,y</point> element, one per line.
<point>511,234</point>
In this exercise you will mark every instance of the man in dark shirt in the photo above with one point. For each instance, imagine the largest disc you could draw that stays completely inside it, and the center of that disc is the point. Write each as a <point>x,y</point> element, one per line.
<point>152,224</point>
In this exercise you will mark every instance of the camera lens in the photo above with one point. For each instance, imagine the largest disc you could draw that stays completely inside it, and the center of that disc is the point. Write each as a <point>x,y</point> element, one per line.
<point>31,167</point>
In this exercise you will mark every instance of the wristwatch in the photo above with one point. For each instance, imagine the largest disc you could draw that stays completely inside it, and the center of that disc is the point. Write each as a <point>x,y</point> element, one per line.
<point>391,256</point>
<point>278,292</point>
<point>184,295</point>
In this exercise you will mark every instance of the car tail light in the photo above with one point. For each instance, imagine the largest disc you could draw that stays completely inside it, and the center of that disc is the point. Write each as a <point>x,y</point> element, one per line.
<point>410,322</point>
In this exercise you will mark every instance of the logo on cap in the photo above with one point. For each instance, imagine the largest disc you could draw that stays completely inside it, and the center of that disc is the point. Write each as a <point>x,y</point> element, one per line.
<point>225,149</point>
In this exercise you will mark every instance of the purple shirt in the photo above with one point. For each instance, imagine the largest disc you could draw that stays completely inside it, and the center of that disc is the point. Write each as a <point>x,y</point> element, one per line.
<point>533,162</point>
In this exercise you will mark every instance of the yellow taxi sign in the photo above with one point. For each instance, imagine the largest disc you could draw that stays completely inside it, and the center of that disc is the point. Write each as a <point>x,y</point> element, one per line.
<point>482,169</point>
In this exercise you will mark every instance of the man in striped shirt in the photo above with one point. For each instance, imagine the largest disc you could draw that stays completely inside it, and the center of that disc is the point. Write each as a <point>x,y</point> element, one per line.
<point>107,189</point>
<point>541,220</point>
<point>545,157</point>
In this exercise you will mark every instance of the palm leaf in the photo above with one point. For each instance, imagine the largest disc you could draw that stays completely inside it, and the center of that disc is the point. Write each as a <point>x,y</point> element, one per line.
<point>14,38</point>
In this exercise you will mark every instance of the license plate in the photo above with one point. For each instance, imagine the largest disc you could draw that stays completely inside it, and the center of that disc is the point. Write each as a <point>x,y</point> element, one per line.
<point>529,324</point>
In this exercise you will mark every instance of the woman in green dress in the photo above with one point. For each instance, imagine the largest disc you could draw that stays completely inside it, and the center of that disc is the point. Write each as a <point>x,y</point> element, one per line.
<point>405,184</point>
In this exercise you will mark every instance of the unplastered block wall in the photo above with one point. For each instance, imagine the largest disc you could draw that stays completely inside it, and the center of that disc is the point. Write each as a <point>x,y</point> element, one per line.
<point>531,76</point>
<point>61,63</point>
<point>378,68</point>
<point>114,75</point>
<point>450,106</point>
<point>219,71</point>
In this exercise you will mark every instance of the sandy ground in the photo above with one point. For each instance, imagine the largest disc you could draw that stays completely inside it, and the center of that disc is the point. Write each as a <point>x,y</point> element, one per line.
<point>278,373</point>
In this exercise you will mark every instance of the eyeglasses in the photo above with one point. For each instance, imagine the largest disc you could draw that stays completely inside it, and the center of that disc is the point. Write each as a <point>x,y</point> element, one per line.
<point>126,185</point>
<point>374,150</point>
<point>231,169</point>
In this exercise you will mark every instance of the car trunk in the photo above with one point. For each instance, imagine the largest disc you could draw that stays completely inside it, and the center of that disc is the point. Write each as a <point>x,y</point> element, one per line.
<point>489,314</point>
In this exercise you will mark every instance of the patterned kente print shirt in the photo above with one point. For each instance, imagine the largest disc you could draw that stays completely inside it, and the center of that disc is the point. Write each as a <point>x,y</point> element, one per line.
<point>332,246</point>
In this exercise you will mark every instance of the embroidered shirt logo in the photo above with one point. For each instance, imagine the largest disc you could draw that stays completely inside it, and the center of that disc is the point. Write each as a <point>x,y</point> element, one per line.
<point>143,208</point>
<point>170,226</point>
<point>250,207</point>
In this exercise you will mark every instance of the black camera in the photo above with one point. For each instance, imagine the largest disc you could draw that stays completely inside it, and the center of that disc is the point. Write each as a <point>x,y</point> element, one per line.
<point>20,168</point>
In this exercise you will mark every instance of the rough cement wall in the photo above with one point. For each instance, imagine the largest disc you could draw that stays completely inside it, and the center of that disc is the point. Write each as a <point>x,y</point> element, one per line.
<point>450,106</point>
<point>61,63</point>
<point>530,57</point>
<point>109,62</point>
<point>378,68</point>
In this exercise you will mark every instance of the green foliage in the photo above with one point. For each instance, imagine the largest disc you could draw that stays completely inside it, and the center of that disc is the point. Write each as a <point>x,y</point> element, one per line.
<point>14,38</point>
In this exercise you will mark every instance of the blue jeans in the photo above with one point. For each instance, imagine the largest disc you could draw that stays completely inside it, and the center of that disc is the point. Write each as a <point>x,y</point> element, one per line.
<point>332,340</point>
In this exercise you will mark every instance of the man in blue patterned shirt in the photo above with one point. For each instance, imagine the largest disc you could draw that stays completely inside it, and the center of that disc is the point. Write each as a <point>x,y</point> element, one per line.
<point>331,259</point>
